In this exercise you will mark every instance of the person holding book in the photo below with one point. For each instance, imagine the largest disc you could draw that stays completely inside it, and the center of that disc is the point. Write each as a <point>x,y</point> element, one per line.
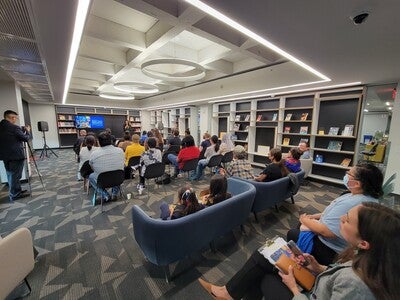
<point>217,192</point>
<point>292,161</point>
<point>367,269</point>
<point>304,148</point>
<point>319,234</point>
<point>275,170</point>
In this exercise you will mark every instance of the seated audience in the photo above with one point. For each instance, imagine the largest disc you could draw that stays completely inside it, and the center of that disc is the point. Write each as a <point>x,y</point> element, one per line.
<point>143,137</point>
<point>226,144</point>
<point>187,153</point>
<point>187,204</point>
<point>217,192</point>
<point>319,234</point>
<point>175,140</point>
<point>150,156</point>
<point>134,149</point>
<point>126,142</point>
<point>275,170</point>
<point>78,143</point>
<point>204,144</point>
<point>186,137</point>
<point>292,161</point>
<point>106,158</point>
<point>113,139</point>
<point>304,148</point>
<point>365,270</point>
<point>211,151</point>
<point>87,149</point>
<point>240,166</point>
<point>159,139</point>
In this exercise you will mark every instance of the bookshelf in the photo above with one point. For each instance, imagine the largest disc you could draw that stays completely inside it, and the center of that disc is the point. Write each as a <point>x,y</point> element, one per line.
<point>269,125</point>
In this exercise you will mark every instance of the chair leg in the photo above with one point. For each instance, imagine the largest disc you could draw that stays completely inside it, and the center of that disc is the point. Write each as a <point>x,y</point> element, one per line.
<point>94,197</point>
<point>167,273</point>
<point>29,288</point>
<point>292,199</point>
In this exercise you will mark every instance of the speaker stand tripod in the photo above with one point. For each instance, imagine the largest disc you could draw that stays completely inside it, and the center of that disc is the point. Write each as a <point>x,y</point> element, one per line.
<point>46,148</point>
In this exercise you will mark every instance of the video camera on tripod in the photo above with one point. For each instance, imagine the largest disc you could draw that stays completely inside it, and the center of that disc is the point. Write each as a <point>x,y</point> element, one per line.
<point>43,126</point>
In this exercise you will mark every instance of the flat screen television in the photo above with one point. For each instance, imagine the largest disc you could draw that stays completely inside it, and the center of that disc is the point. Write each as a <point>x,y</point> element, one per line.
<point>95,122</point>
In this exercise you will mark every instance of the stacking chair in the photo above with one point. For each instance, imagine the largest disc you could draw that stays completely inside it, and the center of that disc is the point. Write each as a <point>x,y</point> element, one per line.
<point>228,157</point>
<point>133,161</point>
<point>214,161</point>
<point>17,261</point>
<point>85,171</point>
<point>108,180</point>
<point>154,171</point>
<point>190,165</point>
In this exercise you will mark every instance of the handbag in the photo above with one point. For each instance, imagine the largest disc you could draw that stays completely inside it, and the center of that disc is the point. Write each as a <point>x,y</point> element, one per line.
<point>303,277</point>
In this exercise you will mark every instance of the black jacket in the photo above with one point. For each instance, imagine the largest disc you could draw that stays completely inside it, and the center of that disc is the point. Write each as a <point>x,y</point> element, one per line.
<point>11,138</point>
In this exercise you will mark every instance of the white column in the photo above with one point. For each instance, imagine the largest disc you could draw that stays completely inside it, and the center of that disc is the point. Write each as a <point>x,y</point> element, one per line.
<point>394,138</point>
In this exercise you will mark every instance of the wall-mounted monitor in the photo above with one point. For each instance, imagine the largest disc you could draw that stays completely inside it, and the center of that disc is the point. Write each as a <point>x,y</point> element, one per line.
<point>95,122</point>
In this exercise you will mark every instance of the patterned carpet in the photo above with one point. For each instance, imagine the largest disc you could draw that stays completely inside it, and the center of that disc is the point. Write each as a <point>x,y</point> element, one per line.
<point>86,254</point>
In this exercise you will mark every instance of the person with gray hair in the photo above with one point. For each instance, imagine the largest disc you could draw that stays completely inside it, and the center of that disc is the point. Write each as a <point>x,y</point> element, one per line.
<point>240,166</point>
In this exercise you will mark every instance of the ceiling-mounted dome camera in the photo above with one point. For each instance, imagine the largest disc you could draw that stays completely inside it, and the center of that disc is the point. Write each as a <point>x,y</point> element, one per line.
<point>360,17</point>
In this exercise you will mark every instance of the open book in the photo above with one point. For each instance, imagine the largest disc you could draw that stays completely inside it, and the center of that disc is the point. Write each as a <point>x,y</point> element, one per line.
<point>277,252</point>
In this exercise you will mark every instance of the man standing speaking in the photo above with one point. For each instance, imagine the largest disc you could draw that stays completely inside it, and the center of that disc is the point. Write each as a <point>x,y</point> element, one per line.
<point>12,152</point>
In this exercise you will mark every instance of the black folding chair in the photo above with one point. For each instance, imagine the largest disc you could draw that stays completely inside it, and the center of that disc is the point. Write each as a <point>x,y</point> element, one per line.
<point>85,171</point>
<point>107,180</point>
<point>154,171</point>
<point>214,161</point>
<point>228,157</point>
<point>133,161</point>
<point>190,165</point>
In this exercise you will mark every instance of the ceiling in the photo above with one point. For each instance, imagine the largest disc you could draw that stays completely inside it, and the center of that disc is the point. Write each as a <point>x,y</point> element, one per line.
<point>120,35</point>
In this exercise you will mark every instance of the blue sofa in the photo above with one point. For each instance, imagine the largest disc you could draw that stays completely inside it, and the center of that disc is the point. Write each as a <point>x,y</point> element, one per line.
<point>164,242</point>
<point>269,194</point>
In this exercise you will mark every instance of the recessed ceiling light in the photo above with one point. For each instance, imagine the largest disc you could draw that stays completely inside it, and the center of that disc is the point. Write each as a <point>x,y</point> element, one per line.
<point>368,104</point>
<point>366,110</point>
<point>116,96</point>
<point>390,108</point>
<point>387,103</point>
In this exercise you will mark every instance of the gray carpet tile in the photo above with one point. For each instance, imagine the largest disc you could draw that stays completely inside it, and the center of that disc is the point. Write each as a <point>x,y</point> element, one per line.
<point>86,254</point>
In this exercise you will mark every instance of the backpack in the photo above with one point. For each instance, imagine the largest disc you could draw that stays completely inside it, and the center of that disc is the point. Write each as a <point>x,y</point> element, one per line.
<point>164,179</point>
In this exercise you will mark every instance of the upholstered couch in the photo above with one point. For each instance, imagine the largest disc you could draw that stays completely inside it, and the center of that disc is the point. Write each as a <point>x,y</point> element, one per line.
<point>164,242</point>
<point>269,194</point>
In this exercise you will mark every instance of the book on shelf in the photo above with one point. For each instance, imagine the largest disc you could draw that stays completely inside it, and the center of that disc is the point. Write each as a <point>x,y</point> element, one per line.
<point>131,119</point>
<point>259,117</point>
<point>333,131</point>
<point>304,117</point>
<point>286,141</point>
<point>237,118</point>
<point>234,137</point>
<point>236,127</point>
<point>303,129</point>
<point>321,131</point>
<point>247,118</point>
<point>247,128</point>
<point>262,149</point>
<point>345,162</point>
<point>303,141</point>
<point>348,130</point>
<point>278,252</point>
<point>288,117</point>
<point>61,117</point>
<point>221,134</point>
<point>335,145</point>
<point>274,117</point>
<point>286,129</point>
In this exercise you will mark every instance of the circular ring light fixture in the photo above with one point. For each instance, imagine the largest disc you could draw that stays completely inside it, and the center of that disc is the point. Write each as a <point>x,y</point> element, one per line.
<point>117,96</point>
<point>196,74</point>
<point>136,87</point>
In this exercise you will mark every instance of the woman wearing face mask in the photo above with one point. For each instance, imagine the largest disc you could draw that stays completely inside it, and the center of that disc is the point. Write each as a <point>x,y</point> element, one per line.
<point>319,234</point>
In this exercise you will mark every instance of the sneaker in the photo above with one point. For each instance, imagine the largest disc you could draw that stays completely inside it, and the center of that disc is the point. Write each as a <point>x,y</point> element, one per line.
<point>180,175</point>
<point>140,189</point>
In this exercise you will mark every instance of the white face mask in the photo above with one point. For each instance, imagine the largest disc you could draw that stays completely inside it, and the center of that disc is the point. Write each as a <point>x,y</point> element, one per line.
<point>346,181</point>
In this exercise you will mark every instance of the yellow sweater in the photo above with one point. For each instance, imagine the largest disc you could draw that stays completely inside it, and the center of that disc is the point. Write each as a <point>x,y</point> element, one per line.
<point>133,150</point>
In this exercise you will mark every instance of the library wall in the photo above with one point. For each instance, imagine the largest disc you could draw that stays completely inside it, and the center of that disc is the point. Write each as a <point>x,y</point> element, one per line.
<point>42,112</point>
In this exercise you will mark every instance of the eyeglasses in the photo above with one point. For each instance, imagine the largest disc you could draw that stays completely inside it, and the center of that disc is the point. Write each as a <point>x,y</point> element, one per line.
<point>348,173</point>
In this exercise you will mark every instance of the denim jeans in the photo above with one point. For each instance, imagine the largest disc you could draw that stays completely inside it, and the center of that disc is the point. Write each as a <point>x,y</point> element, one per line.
<point>14,173</point>
<point>172,158</point>
<point>200,169</point>
<point>104,194</point>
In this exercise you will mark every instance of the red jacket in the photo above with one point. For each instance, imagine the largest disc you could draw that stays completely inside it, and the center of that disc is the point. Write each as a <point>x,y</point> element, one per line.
<point>187,153</point>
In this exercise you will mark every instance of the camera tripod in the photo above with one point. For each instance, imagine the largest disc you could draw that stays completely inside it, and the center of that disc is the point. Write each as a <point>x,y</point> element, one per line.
<point>36,167</point>
<point>45,148</point>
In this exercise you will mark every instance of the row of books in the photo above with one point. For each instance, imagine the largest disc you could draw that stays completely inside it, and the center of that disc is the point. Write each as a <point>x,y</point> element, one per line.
<point>67,118</point>
<point>66,130</point>
<point>303,129</point>
<point>288,117</point>
<point>238,127</point>
<point>348,130</point>
<point>303,117</point>
<point>286,141</point>
<point>320,159</point>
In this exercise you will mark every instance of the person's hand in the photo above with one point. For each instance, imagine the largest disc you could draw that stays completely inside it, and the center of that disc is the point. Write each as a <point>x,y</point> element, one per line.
<point>313,265</point>
<point>222,171</point>
<point>28,128</point>
<point>303,217</point>
<point>290,281</point>
<point>205,198</point>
